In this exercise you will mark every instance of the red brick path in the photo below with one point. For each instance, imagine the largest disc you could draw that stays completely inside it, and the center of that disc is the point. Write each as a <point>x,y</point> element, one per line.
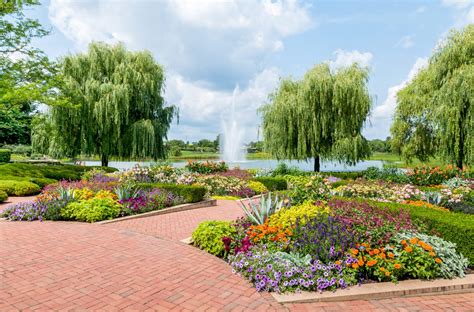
<point>64,266</point>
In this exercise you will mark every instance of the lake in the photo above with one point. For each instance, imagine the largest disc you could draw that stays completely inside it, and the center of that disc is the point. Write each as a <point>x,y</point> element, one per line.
<point>260,163</point>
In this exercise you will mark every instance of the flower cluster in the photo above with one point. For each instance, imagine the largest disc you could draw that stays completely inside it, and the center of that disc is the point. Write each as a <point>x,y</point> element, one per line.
<point>265,233</point>
<point>206,167</point>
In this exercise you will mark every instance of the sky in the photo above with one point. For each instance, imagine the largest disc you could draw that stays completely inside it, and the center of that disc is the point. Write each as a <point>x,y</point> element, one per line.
<point>220,53</point>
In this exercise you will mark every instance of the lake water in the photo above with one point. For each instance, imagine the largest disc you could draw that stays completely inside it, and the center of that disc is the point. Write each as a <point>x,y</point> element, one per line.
<point>260,163</point>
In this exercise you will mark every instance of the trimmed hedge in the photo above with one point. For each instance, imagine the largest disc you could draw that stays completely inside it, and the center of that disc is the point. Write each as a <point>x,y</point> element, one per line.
<point>5,155</point>
<point>454,227</point>
<point>190,193</point>
<point>19,188</point>
<point>3,196</point>
<point>273,183</point>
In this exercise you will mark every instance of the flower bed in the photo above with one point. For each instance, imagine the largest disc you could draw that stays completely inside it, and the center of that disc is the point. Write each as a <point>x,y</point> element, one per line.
<point>326,245</point>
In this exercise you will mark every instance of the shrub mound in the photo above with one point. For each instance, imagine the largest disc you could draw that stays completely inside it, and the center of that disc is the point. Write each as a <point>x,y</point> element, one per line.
<point>3,196</point>
<point>19,188</point>
<point>190,193</point>
<point>5,155</point>
<point>273,183</point>
<point>209,234</point>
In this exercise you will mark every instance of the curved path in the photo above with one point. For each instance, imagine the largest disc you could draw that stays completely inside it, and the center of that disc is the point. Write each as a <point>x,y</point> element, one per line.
<point>141,265</point>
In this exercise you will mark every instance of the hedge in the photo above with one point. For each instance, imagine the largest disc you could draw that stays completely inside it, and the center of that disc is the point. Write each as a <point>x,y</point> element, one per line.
<point>5,155</point>
<point>273,183</point>
<point>454,227</point>
<point>19,188</point>
<point>190,193</point>
<point>3,196</point>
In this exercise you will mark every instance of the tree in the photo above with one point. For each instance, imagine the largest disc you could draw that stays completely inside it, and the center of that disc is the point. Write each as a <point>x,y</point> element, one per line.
<point>435,112</point>
<point>27,76</point>
<point>320,116</point>
<point>117,108</point>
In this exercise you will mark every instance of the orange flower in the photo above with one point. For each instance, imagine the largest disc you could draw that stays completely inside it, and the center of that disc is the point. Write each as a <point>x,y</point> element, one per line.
<point>427,247</point>
<point>383,256</point>
<point>371,263</point>
<point>338,262</point>
<point>376,251</point>
<point>391,255</point>
<point>382,269</point>
<point>354,251</point>
<point>408,249</point>
<point>371,253</point>
<point>404,242</point>
<point>414,240</point>
<point>387,273</point>
<point>438,260</point>
<point>360,262</point>
<point>432,254</point>
<point>397,266</point>
<point>355,266</point>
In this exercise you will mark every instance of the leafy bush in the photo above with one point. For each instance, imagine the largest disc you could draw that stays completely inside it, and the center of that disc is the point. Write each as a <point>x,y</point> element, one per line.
<point>273,183</point>
<point>5,155</point>
<point>434,175</point>
<point>190,193</point>
<point>444,224</point>
<point>386,174</point>
<point>283,169</point>
<point>93,210</point>
<point>257,187</point>
<point>303,212</point>
<point>209,234</point>
<point>270,271</point>
<point>258,212</point>
<point>324,238</point>
<point>142,201</point>
<point>42,182</point>
<point>345,175</point>
<point>19,188</point>
<point>19,149</point>
<point>206,167</point>
<point>452,264</point>
<point>307,188</point>
<point>3,196</point>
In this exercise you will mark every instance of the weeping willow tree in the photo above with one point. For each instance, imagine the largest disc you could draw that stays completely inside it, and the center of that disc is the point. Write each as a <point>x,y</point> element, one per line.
<point>117,108</point>
<point>435,112</point>
<point>319,117</point>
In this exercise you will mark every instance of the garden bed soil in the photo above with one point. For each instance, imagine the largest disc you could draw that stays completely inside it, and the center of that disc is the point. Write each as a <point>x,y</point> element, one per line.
<point>183,207</point>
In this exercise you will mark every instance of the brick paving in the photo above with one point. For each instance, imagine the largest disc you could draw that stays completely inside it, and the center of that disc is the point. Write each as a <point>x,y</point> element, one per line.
<point>138,266</point>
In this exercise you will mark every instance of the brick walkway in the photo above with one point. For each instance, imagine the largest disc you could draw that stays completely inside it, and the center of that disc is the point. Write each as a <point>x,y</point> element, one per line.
<point>66,265</point>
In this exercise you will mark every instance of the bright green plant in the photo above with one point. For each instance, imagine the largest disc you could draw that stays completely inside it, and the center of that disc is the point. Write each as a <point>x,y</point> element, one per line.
<point>258,211</point>
<point>93,210</point>
<point>3,196</point>
<point>19,188</point>
<point>453,264</point>
<point>5,155</point>
<point>257,187</point>
<point>273,183</point>
<point>307,188</point>
<point>303,212</point>
<point>208,236</point>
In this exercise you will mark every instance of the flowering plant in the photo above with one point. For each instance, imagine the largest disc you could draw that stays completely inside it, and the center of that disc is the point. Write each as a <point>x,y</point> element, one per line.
<point>206,167</point>
<point>307,188</point>
<point>434,175</point>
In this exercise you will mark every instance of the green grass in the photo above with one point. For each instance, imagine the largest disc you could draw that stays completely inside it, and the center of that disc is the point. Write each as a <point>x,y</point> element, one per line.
<point>394,160</point>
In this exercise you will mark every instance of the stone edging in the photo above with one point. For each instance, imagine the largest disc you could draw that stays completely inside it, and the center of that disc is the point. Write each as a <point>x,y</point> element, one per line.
<point>384,290</point>
<point>183,207</point>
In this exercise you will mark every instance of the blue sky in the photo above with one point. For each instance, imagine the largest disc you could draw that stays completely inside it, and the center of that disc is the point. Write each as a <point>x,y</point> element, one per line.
<point>210,47</point>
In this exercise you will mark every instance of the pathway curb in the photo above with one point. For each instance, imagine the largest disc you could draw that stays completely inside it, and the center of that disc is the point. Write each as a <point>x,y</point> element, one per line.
<point>384,290</point>
<point>183,207</point>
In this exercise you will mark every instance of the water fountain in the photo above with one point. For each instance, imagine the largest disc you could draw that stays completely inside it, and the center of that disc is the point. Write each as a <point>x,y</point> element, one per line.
<point>231,143</point>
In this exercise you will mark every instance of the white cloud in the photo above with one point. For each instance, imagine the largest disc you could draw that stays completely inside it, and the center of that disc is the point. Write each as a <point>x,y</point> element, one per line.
<point>405,42</point>
<point>459,4</point>
<point>347,58</point>
<point>207,47</point>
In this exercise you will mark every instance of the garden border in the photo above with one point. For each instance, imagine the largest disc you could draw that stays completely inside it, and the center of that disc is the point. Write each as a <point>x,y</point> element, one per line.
<point>384,290</point>
<point>182,207</point>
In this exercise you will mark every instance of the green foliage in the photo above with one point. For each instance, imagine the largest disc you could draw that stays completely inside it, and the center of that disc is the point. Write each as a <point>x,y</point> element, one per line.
<point>258,212</point>
<point>320,116</point>
<point>386,174</point>
<point>445,224</point>
<point>435,111</point>
<point>118,109</point>
<point>273,183</point>
<point>257,187</point>
<point>3,196</point>
<point>345,175</point>
<point>92,210</point>
<point>206,167</point>
<point>453,264</point>
<point>190,193</point>
<point>434,175</point>
<point>303,212</point>
<point>19,188</point>
<point>307,188</point>
<point>208,236</point>
<point>5,155</point>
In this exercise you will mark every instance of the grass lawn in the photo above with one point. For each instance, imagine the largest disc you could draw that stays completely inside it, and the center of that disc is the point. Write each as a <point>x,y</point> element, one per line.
<point>394,160</point>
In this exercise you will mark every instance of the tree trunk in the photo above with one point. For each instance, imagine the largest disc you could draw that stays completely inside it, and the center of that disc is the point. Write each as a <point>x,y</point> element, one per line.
<point>316,164</point>
<point>105,160</point>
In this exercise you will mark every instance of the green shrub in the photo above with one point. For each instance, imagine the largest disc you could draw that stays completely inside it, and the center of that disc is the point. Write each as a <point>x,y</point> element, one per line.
<point>273,183</point>
<point>457,228</point>
<point>208,236</point>
<point>92,210</point>
<point>190,193</point>
<point>19,188</point>
<point>345,175</point>
<point>3,196</point>
<point>5,155</point>
<point>338,183</point>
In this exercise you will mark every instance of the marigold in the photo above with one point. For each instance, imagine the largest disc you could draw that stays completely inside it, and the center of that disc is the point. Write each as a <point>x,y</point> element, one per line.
<point>414,240</point>
<point>408,249</point>
<point>355,266</point>
<point>438,260</point>
<point>387,273</point>
<point>354,251</point>
<point>382,269</point>
<point>397,266</point>
<point>371,263</point>
<point>383,255</point>
<point>404,242</point>
<point>376,251</point>
<point>360,262</point>
<point>391,255</point>
<point>338,262</point>
<point>432,254</point>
